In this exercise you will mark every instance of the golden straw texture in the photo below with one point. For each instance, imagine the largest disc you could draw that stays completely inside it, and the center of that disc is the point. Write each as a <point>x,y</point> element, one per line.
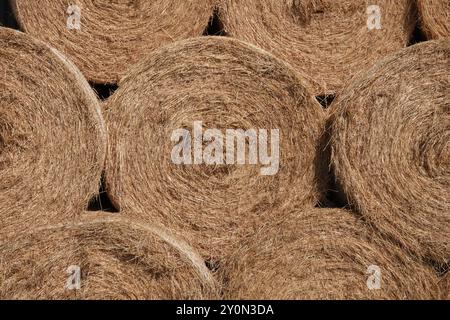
<point>226,84</point>
<point>435,17</point>
<point>112,35</point>
<point>391,147</point>
<point>446,286</point>
<point>52,135</point>
<point>328,41</point>
<point>117,259</point>
<point>324,254</point>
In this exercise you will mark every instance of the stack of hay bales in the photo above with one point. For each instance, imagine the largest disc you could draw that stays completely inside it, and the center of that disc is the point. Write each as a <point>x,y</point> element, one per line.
<point>52,152</point>
<point>196,225</point>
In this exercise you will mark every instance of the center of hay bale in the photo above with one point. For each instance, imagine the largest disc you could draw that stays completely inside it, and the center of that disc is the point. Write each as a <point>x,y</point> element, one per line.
<point>215,171</point>
<point>213,204</point>
<point>435,154</point>
<point>322,14</point>
<point>303,10</point>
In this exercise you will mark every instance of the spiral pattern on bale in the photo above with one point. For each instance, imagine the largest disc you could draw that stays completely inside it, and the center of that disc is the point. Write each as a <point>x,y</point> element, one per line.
<point>324,254</point>
<point>226,84</point>
<point>115,259</point>
<point>52,135</point>
<point>328,41</point>
<point>391,147</point>
<point>105,37</point>
<point>435,18</point>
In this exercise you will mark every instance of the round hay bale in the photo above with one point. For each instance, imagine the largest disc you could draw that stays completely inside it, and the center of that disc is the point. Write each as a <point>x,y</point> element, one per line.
<point>104,38</point>
<point>102,257</point>
<point>390,140</point>
<point>328,41</point>
<point>323,254</point>
<point>435,17</point>
<point>52,134</point>
<point>227,85</point>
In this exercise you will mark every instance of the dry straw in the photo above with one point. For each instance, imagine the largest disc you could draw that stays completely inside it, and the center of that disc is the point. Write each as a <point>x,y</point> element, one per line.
<point>226,84</point>
<point>435,17</point>
<point>327,40</point>
<point>112,35</point>
<point>447,280</point>
<point>391,151</point>
<point>445,286</point>
<point>115,258</point>
<point>324,254</point>
<point>52,135</point>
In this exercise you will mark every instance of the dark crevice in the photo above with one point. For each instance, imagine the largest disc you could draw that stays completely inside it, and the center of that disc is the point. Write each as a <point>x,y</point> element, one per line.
<point>7,18</point>
<point>212,264</point>
<point>101,202</point>
<point>334,197</point>
<point>215,26</point>
<point>325,100</point>
<point>104,91</point>
<point>417,36</point>
<point>441,268</point>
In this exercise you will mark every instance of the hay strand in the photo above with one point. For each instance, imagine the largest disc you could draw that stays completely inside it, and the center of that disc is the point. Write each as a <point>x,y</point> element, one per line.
<point>326,40</point>
<point>226,84</point>
<point>117,259</point>
<point>104,38</point>
<point>323,254</point>
<point>435,18</point>
<point>391,152</point>
<point>52,134</point>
